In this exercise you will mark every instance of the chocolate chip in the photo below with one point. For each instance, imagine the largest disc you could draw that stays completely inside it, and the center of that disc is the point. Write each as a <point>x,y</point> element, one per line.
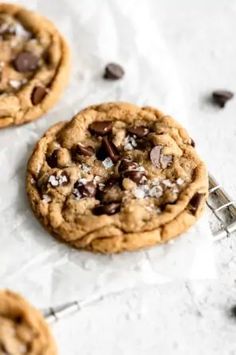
<point>166,160</point>
<point>193,144</point>
<point>139,132</point>
<point>127,164</point>
<point>195,202</point>
<point>52,159</point>
<point>233,311</point>
<point>113,71</point>
<point>38,94</point>
<point>101,128</point>
<point>101,154</point>
<point>101,193</point>
<point>86,190</point>
<point>108,209</point>
<point>158,159</point>
<point>25,61</point>
<point>220,97</point>
<point>82,150</point>
<point>110,149</point>
<point>155,156</point>
<point>136,176</point>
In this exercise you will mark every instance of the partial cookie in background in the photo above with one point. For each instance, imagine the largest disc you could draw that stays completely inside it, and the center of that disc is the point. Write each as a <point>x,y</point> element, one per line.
<point>34,65</point>
<point>23,329</point>
<point>116,177</point>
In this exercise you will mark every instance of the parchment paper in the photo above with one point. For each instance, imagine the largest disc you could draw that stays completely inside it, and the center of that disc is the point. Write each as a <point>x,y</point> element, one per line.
<point>31,261</point>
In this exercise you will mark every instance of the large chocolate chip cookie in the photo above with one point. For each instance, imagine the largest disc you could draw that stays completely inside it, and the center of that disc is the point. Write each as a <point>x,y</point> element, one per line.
<point>116,177</point>
<point>34,65</point>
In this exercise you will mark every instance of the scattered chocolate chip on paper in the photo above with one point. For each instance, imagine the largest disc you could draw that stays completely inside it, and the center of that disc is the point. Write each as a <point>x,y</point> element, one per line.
<point>113,71</point>
<point>221,97</point>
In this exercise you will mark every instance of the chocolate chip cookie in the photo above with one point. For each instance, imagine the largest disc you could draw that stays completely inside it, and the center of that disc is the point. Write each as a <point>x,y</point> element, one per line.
<point>116,177</point>
<point>34,65</point>
<point>22,328</point>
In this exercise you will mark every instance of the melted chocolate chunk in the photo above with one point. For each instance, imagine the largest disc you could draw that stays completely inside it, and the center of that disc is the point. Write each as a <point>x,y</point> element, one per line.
<point>25,62</point>
<point>113,71</point>
<point>127,164</point>
<point>52,159</point>
<point>82,150</point>
<point>110,149</point>
<point>101,128</point>
<point>158,159</point>
<point>195,202</point>
<point>136,176</point>
<point>139,132</point>
<point>86,190</point>
<point>221,97</point>
<point>38,94</point>
<point>108,209</point>
<point>166,161</point>
<point>155,156</point>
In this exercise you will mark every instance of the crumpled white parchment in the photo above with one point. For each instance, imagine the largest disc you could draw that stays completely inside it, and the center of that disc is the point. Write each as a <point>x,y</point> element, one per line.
<point>31,261</point>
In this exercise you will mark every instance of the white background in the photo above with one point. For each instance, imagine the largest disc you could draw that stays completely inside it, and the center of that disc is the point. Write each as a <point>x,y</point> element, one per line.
<point>196,40</point>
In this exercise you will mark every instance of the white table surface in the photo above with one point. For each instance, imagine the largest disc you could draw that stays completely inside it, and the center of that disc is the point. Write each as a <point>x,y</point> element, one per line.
<point>183,317</point>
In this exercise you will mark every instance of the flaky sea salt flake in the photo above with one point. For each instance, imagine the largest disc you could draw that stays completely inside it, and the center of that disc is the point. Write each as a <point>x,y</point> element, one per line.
<point>46,199</point>
<point>15,84</point>
<point>167,183</point>
<point>179,181</point>
<point>138,193</point>
<point>155,191</point>
<point>53,181</point>
<point>107,163</point>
